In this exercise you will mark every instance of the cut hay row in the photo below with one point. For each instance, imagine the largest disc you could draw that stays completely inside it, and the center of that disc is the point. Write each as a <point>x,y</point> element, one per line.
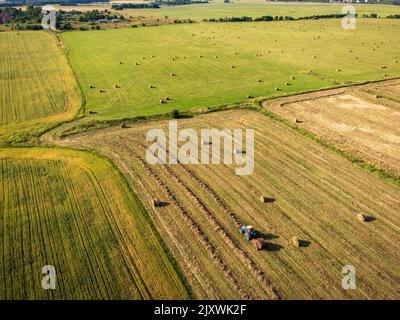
<point>73,211</point>
<point>317,197</point>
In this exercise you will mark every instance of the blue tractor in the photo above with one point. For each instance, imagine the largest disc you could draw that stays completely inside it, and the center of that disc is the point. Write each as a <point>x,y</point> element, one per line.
<point>248,232</point>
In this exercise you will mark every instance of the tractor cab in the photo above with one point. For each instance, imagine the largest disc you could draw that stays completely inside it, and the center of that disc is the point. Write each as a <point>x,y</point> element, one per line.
<point>248,232</point>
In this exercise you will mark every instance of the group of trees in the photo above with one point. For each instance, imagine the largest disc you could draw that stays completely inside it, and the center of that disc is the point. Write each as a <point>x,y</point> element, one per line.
<point>44,2</point>
<point>24,19</point>
<point>286,18</point>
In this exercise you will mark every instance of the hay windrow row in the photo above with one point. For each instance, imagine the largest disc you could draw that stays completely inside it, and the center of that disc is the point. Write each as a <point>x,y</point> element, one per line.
<point>243,256</point>
<point>196,229</point>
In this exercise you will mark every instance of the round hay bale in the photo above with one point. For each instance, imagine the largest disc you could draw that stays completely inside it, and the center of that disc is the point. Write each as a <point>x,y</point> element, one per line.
<point>338,70</point>
<point>295,242</point>
<point>277,89</point>
<point>249,96</point>
<point>287,84</point>
<point>361,217</point>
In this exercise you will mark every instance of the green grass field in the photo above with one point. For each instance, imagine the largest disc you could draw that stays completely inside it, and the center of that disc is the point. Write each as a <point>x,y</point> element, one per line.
<point>37,86</point>
<point>73,210</point>
<point>206,64</point>
<point>256,8</point>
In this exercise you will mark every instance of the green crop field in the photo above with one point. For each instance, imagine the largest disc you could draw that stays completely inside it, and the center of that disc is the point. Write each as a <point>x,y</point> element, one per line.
<point>256,8</point>
<point>37,86</point>
<point>72,210</point>
<point>128,72</point>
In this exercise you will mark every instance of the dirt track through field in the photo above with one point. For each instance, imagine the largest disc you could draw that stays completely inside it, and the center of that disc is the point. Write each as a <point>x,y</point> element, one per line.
<point>362,121</point>
<point>317,195</point>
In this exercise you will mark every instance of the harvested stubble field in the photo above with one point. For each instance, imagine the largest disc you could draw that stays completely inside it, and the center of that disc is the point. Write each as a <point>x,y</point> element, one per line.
<point>144,71</point>
<point>317,196</point>
<point>37,85</point>
<point>72,210</point>
<point>362,121</point>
